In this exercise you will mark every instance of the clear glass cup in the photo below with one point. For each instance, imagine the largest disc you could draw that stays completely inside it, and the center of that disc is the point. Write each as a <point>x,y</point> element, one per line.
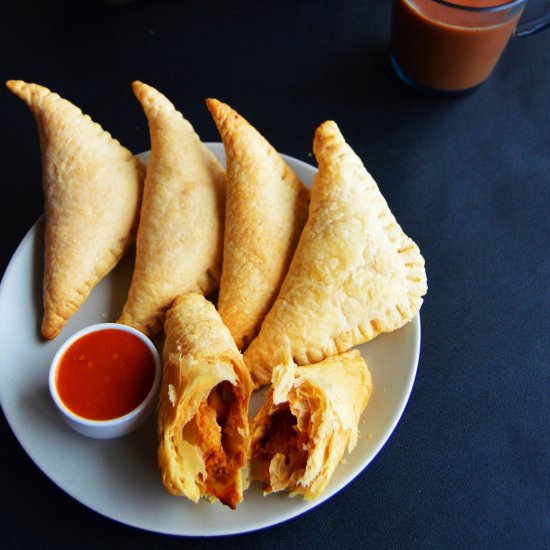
<point>452,47</point>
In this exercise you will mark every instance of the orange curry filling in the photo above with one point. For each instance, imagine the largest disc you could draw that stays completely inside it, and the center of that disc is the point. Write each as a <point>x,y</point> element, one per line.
<point>282,436</point>
<point>218,421</point>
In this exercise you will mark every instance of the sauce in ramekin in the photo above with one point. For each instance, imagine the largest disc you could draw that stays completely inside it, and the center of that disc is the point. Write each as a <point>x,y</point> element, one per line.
<point>105,374</point>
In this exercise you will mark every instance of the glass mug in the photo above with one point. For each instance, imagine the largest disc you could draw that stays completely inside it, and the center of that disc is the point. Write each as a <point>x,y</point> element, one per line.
<point>451,47</point>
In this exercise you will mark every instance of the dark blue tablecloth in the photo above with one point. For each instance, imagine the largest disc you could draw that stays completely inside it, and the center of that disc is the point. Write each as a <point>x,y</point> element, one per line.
<point>467,178</point>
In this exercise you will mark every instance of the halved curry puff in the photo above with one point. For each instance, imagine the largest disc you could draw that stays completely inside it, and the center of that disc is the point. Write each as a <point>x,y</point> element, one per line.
<point>203,427</point>
<point>308,420</point>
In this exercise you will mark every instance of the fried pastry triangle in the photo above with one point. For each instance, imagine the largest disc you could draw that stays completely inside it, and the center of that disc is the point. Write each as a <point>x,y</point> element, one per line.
<point>310,416</point>
<point>266,208</point>
<point>92,189</point>
<point>354,275</point>
<point>203,430</point>
<point>180,236</point>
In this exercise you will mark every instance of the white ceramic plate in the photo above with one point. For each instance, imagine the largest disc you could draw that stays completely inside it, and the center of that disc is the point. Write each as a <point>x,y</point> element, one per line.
<point>120,478</point>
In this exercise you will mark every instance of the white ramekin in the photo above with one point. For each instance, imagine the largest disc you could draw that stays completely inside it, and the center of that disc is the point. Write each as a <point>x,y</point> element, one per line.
<point>105,429</point>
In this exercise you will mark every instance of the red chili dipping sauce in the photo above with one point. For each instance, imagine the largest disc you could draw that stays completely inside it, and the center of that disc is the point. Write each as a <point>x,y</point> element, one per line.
<point>447,48</point>
<point>105,374</point>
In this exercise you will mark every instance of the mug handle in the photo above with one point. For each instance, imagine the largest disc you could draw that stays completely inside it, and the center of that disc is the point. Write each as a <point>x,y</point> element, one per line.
<point>531,27</point>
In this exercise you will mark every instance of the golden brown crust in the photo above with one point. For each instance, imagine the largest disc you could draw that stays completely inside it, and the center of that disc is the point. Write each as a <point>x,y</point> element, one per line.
<point>180,237</point>
<point>266,209</point>
<point>199,355</point>
<point>92,191</point>
<point>323,403</point>
<point>354,275</point>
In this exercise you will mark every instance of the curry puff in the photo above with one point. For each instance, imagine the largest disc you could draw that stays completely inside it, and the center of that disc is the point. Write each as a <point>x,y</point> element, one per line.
<point>354,275</point>
<point>266,209</point>
<point>203,430</point>
<point>308,420</point>
<point>92,192</point>
<point>180,236</point>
